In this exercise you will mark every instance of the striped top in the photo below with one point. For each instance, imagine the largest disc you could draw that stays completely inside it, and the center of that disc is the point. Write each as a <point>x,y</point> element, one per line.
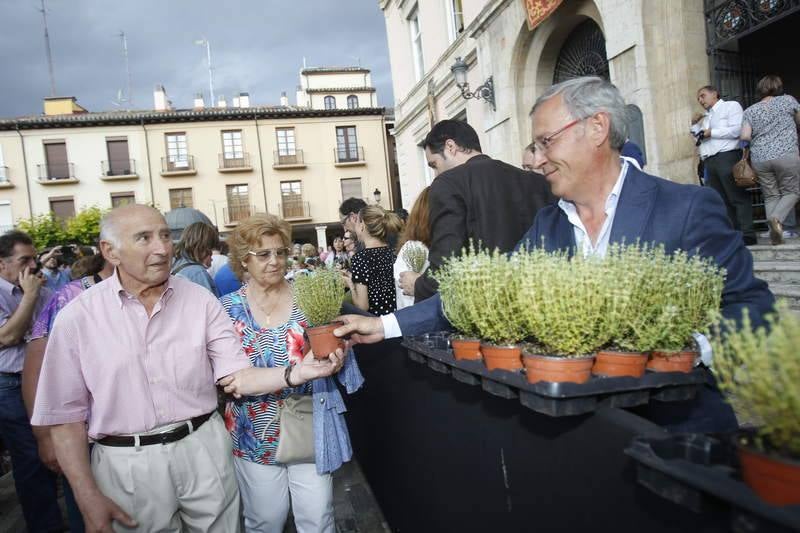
<point>248,419</point>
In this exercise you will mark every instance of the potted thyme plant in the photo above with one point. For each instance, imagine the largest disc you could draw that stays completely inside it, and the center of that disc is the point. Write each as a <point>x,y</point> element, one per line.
<point>457,284</point>
<point>415,254</point>
<point>761,369</point>
<point>319,296</point>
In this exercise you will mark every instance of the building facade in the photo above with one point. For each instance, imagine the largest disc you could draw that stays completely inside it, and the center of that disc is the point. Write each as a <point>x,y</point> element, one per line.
<point>658,52</point>
<point>297,162</point>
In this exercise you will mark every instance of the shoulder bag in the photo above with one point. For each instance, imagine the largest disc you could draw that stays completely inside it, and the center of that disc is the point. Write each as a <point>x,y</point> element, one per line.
<point>743,173</point>
<point>296,440</point>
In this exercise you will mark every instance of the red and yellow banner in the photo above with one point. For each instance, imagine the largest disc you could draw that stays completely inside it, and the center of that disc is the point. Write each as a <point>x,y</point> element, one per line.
<point>538,10</point>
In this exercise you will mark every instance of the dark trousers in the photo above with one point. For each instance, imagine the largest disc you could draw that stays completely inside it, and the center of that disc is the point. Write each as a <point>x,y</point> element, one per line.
<point>719,176</point>
<point>35,484</point>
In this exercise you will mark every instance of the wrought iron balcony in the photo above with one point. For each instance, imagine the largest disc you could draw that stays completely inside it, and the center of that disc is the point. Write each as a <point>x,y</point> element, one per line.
<point>293,160</point>
<point>349,155</point>
<point>177,166</point>
<point>57,172</point>
<point>727,20</point>
<point>118,169</point>
<point>232,214</point>
<point>295,210</point>
<point>235,164</point>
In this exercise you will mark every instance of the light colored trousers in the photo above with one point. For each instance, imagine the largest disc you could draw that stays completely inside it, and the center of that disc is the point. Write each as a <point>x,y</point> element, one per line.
<point>265,493</point>
<point>780,183</point>
<point>184,486</point>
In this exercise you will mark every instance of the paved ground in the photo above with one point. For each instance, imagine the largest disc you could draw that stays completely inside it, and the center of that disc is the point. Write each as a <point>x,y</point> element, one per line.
<point>354,505</point>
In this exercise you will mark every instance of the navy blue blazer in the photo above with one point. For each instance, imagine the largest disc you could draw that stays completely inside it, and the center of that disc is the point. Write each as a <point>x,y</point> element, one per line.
<point>653,210</point>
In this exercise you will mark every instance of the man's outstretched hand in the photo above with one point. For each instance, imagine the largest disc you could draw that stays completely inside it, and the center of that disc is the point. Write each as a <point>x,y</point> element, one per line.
<point>361,329</point>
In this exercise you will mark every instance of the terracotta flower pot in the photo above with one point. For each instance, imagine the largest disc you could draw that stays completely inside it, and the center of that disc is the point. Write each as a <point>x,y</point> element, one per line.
<point>681,361</point>
<point>613,364</point>
<point>558,369</point>
<point>323,341</point>
<point>466,349</point>
<point>502,357</point>
<point>776,480</point>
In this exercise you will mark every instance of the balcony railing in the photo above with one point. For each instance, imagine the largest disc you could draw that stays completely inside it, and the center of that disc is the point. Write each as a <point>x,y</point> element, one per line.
<point>118,168</point>
<point>287,160</point>
<point>183,164</point>
<point>727,20</point>
<point>234,213</point>
<point>63,171</point>
<point>349,154</point>
<point>294,210</point>
<point>232,164</point>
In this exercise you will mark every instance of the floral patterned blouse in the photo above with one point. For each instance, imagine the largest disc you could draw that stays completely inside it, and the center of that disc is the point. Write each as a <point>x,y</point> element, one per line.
<point>251,420</point>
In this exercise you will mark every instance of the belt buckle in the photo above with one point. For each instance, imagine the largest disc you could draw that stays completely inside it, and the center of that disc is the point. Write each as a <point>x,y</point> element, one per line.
<point>164,438</point>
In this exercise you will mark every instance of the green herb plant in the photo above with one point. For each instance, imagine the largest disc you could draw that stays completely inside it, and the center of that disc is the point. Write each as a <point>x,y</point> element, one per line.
<point>319,295</point>
<point>415,254</point>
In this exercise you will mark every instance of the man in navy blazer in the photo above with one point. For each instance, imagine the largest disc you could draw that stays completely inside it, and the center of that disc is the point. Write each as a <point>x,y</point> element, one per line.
<point>579,128</point>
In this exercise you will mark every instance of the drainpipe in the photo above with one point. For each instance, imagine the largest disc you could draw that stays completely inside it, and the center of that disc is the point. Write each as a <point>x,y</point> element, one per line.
<point>149,168</point>
<point>25,166</point>
<point>261,165</point>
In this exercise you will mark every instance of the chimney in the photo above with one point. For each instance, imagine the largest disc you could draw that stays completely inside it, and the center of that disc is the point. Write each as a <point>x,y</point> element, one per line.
<point>284,99</point>
<point>244,99</point>
<point>221,101</point>
<point>198,101</point>
<point>160,99</point>
<point>301,97</point>
<point>235,101</point>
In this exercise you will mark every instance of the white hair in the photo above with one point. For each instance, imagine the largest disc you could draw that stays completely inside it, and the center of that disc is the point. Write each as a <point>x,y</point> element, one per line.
<point>109,222</point>
<point>587,95</point>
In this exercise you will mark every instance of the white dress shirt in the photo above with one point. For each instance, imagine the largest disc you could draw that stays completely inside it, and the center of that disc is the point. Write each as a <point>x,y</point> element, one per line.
<point>724,119</point>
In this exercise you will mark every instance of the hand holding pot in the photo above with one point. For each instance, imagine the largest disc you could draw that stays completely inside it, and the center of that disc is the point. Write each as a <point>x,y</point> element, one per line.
<point>362,329</point>
<point>407,281</point>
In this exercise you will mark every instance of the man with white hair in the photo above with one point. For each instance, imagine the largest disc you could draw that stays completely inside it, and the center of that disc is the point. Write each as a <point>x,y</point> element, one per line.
<point>579,129</point>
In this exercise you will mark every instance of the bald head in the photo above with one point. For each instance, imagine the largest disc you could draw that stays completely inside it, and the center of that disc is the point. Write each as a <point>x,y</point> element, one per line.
<point>112,222</point>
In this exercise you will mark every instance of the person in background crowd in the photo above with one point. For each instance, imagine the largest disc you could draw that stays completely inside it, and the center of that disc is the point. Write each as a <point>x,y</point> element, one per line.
<point>55,276</point>
<point>338,258</point>
<point>417,232</point>
<point>771,127</point>
<point>370,279</point>
<point>193,255</point>
<point>527,158</point>
<point>718,134</point>
<point>226,281</point>
<point>22,296</point>
<point>92,269</point>
<point>131,363</point>
<point>308,251</point>
<point>270,326</point>
<point>348,212</point>
<point>297,251</point>
<point>219,257</point>
<point>474,197</point>
<point>350,242</point>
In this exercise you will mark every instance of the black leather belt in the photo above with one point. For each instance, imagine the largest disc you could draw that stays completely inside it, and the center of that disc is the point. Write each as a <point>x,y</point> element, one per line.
<point>11,374</point>
<point>161,438</point>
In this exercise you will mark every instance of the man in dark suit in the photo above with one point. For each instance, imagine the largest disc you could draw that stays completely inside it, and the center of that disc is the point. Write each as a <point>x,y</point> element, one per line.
<point>473,197</point>
<point>578,129</point>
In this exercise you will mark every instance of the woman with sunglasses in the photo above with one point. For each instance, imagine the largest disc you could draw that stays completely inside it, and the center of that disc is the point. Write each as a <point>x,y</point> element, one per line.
<point>266,317</point>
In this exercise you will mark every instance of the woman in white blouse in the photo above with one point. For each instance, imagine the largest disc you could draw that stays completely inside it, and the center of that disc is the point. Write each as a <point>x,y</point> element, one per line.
<point>417,235</point>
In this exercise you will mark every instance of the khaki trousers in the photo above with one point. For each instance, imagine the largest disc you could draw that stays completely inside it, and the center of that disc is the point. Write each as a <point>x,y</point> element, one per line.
<point>184,486</point>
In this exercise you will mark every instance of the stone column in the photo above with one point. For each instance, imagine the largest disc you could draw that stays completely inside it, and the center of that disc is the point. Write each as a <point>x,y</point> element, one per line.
<point>322,240</point>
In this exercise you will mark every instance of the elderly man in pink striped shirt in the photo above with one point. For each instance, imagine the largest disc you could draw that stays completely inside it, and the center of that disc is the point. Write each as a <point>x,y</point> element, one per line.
<point>132,362</point>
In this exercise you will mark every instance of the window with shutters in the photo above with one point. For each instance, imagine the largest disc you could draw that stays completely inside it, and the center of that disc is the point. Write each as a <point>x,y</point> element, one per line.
<point>180,198</point>
<point>351,188</point>
<point>177,151</point>
<point>63,207</point>
<point>118,199</point>
<point>292,199</point>
<point>455,15</point>
<point>238,202</point>
<point>232,144</point>
<point>416,44</point>
<point>330,102</point>
<point>57,165</point>
<point>352,102</point>
<point>286,144</point>
<point>119,162</point>
<point>346,144</point>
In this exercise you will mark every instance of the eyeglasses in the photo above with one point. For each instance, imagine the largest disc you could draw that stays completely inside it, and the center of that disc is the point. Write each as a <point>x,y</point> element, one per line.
<point>344,218</point>
<point>265,255</point>
<point>347,238</point>
<point>544,143</point>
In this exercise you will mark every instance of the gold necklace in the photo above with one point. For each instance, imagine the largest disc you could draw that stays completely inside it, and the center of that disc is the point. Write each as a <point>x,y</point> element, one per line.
<point>269,313</point>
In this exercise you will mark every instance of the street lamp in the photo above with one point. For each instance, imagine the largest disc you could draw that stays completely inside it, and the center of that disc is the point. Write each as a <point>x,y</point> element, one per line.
<point>482,92</point>
<point>205,42</point>
<point>377,196</point>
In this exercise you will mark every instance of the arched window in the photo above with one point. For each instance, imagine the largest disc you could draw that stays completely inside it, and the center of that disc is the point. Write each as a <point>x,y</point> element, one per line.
<point>583,54</point>
<point>330,102</point>
<point>352,101</point>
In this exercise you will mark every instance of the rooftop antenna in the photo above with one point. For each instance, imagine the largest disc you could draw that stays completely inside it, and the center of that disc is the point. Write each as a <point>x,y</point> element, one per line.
<point>129,97</point>
<point>205,42</point>
<point>304,62</point>
<point>47,50</point>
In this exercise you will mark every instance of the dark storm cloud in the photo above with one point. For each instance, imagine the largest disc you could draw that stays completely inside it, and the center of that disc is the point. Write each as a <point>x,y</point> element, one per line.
<point>256,46</point>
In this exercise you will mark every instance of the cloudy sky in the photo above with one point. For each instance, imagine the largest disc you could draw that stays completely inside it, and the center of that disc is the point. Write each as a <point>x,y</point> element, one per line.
<point>257,46</point>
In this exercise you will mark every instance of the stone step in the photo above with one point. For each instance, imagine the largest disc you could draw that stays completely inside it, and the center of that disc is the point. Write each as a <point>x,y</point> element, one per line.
<point>782,272</point>
<point>781,252</point>
<point>787,291</point>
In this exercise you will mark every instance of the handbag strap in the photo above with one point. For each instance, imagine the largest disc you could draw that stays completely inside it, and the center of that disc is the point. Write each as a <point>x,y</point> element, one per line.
<point>274,418</point>
<point>746,153</point>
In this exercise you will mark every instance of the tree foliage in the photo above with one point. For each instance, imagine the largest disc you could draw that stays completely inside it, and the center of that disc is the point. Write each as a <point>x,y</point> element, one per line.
<point>47,230</point>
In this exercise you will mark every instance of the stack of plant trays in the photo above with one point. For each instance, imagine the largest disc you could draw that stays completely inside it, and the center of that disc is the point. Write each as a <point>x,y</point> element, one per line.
<point>554,399</point>
<point>697,471</point>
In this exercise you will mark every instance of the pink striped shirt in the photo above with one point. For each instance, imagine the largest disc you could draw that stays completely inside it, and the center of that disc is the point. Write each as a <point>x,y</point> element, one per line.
<point>123,372</point>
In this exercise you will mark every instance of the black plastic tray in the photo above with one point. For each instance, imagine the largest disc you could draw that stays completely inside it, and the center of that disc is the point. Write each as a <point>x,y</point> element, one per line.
<point>554,399</point>
<point>696,470</point>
